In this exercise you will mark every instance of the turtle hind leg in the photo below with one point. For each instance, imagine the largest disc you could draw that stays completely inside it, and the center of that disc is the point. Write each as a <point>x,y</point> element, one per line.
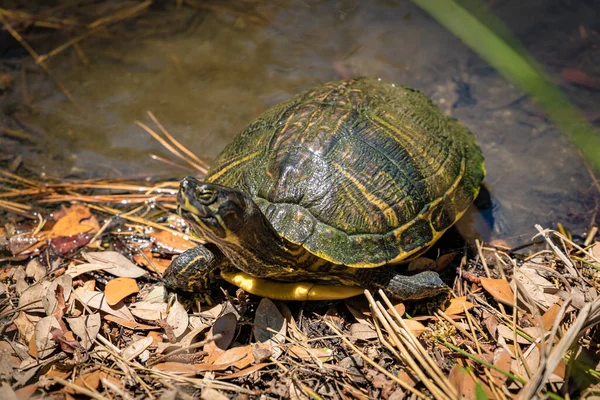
<point>423,285</point>
<point>192,270</point>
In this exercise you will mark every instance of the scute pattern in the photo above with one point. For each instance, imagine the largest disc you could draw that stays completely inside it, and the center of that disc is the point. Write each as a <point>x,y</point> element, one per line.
<point>360,172</point>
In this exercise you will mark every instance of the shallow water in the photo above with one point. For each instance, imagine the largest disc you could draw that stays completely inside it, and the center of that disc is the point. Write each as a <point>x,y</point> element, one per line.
<point>206,75</point>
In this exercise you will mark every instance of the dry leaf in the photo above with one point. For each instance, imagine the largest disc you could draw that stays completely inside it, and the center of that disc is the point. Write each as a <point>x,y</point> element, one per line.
<point>6,392</point>
<point>415,326</point>
<point>170,242</point>
<point>421,264</point>
<point>35,270</point>
<point>115,264</point>
<point>129,324</point>
<point>212,394</point>
<point>90,381</point>
<point>177,319</point>
<point>457,306</point>
<point>509,335</point>
<point>323,354</point>
<point>244,372</point>
<point>26,324</point>
<point>136,348</point>
<point>462,382</point>
<point>97,301</point>
<point>550,317</point>
<point>118,289</point>
<point>269,326</point>
<point>77,219</point>
<point>233,355</point>
<point>176,368</point>
<point>502,360</point>
<point>49,301</point>
<point>148,311</point>
<point>362,332</point>
<point>86,328</point>
<point>225,325</point>
<point>499,289</point>
<point>44,340</point>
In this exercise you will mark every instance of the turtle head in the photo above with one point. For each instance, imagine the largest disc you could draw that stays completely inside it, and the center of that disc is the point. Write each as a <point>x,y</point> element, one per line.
<point>213,211</point>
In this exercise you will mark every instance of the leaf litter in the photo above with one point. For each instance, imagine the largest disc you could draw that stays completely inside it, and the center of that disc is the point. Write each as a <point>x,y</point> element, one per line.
<point>93,319</point>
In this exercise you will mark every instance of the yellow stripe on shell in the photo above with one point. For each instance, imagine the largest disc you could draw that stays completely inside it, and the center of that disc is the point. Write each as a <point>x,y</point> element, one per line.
<point>298,291</point>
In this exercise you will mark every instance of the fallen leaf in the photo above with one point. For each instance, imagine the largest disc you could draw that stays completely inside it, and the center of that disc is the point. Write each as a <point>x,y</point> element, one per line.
<point>422,264</point>
<point>233,355</point>
<point>269,326</point>
<point>499,289</point>
<point>176,368</point>
<point>578,77</point>
<point>178,319</point>
<point>212,394</point>
<point>44,340</point>
<point>130,324</point>
<point>77,219</point>
<point>86,328</point>
<point>116,264</point>
<point>443,261</point>
<point>244,372</point>
<point>147,259</point>
<point>6,392</point>
<point>457,306</point>
<point>362,332</point>
<point>26,324</point>
<point>90,380</point>
<point>136,348</point>
<point>49,300</point>
<point>171,243</point>
<point>462,381</point>
<point>97,301</point>
<point>148,311</point>
<point>26,392</point>
<point>550,317</point>
<point>502,360</point>
<point>415,327</point>
<point>225,325</point>
<point>35,270</point>
<point>323,354</point>
<point>509,335</point>
<point>64,244</point>
<point>118,289</point>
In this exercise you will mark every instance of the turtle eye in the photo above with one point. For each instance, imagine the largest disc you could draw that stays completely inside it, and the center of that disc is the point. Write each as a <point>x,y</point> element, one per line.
<point>206,196</point>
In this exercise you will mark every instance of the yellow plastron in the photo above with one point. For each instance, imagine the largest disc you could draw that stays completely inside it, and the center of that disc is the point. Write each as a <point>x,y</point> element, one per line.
<point>289,291</point>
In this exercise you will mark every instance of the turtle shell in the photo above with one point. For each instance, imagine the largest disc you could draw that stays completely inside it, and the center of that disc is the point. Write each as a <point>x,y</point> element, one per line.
<point>360,172</point>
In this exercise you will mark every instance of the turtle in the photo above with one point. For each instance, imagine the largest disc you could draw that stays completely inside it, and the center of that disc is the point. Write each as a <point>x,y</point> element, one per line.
<point>330,193</point>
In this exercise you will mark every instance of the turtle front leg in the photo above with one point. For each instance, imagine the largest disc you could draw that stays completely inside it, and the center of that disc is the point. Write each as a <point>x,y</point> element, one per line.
<point>192,270</point>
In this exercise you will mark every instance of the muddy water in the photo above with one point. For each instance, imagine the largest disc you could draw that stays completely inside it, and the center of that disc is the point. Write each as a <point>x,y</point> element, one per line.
<point>210,74</point>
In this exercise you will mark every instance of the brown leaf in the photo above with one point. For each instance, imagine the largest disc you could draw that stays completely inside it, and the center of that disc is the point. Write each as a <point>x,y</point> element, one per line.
<point>244,372</point>
<point>51,301</point>
<point>26,392</point>
<point>64,244</point>
<point>362,332</point>
<point>86,328</point>
<point>90,380</point>
<point>129,324</point>
<point>225,325</point>
<point>233,355</point>
<point>578,77</point>
<point>115,264</point>
<point>148,259</point>
<point>457,306</point>
<point>148,311</point>
<point>499,289</point>
<point>170,242</point>
<point>443,261</point>
<point>77,219</point>
<point>502,360</point>
<point>176,368</point>
<point>550,316</point>
<point>462,382</point>
<point>415,327</point>
<point>136,348</point>
<point>323,354</point>
<point>44,340</point>
<point>178,319</point>
<point>422,264</point>
<point>269,326</point>
<point>97,301</point>
<point>118,289</point>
